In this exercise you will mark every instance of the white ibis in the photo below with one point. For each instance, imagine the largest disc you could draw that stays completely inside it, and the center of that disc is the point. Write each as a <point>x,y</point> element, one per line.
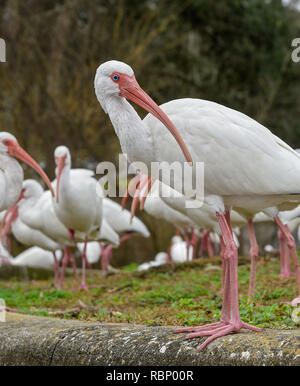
<point>35,257</point>
<point>11,173</point>
<point>30,236</point>
<point>161,258</point>
<point>246,166</point>
<point>178,250</point>
<point>77,204</point>
<point>36,211</point>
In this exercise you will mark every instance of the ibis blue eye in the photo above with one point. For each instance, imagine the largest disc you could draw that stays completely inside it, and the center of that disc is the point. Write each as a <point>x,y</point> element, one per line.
<point>116,77</point>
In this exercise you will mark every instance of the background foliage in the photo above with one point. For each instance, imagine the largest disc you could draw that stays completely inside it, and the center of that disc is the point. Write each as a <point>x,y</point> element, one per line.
<point>235,52</point>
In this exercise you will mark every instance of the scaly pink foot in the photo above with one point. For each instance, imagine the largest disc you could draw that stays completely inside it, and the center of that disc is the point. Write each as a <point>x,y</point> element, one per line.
<point>215,330</point>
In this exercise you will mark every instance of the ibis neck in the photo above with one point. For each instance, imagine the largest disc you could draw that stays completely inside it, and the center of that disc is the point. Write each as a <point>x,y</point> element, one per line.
<point>64,184</point>
<point>134,135</point>
<point>13,174</point>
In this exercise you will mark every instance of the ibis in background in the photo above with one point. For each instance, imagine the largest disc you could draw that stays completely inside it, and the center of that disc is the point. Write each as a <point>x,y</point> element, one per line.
<point>11,173</point>
<point>34,257</point>
<point>78,204</point>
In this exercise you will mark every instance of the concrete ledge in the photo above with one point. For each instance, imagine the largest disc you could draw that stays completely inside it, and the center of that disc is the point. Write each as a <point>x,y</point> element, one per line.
<point>30,340</point>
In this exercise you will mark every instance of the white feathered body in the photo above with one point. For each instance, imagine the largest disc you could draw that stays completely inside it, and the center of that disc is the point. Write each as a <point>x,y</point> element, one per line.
<point>11,178</point>
<point>245,164</point>
<point>79,207</point>
<point>119,219</point>
<point>36,257</point>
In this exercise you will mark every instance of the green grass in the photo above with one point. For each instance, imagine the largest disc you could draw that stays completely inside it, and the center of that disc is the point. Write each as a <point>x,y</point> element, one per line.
<point>185,294</point>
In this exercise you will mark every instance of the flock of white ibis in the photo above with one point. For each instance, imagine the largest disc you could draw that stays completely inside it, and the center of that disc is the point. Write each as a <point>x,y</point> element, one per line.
<point>249,175</point>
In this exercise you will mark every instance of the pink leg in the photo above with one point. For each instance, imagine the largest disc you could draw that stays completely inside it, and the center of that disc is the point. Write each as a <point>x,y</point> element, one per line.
<point>133,184</point>
<point>194,242</point>
<point>206,245</point>
<point>106,252</point>
<point>102,249</point>
<point>203,246</point>
<point>125,237</point>
<point>187,242</point>
<point>226,305</point>
<point>284,255</point>
<point>230,320</point>
<point>281,242</point>
<point>8,244</point>
<point>169,260</point>
<point>105,255</point>
<point>222,245</point>
<point>136,197</point>
<point>56,271</point>
<point>210,248</point>
<point>254,251</point>
<point>73,263</point>
<point>293,252</point>
<point>286,272</point>
<point>64,265</point>
<point>142,202</point>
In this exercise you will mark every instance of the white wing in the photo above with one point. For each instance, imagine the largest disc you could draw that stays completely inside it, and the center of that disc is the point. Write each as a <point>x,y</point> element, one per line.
<point>119,219</point>
<point>29,236</point>
<point>108,234</point>
<point>161,209</point>
<point>241,156</point>
<point>36,257</point>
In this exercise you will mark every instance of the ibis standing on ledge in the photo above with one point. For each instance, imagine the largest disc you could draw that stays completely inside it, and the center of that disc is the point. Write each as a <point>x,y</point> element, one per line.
<point>246,166</point>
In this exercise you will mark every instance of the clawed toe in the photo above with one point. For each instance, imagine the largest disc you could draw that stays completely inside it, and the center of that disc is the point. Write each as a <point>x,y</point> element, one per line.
<point>218,334</point>
<point>216,330</point>
<point>199,328</point>
<point>206,332</point>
